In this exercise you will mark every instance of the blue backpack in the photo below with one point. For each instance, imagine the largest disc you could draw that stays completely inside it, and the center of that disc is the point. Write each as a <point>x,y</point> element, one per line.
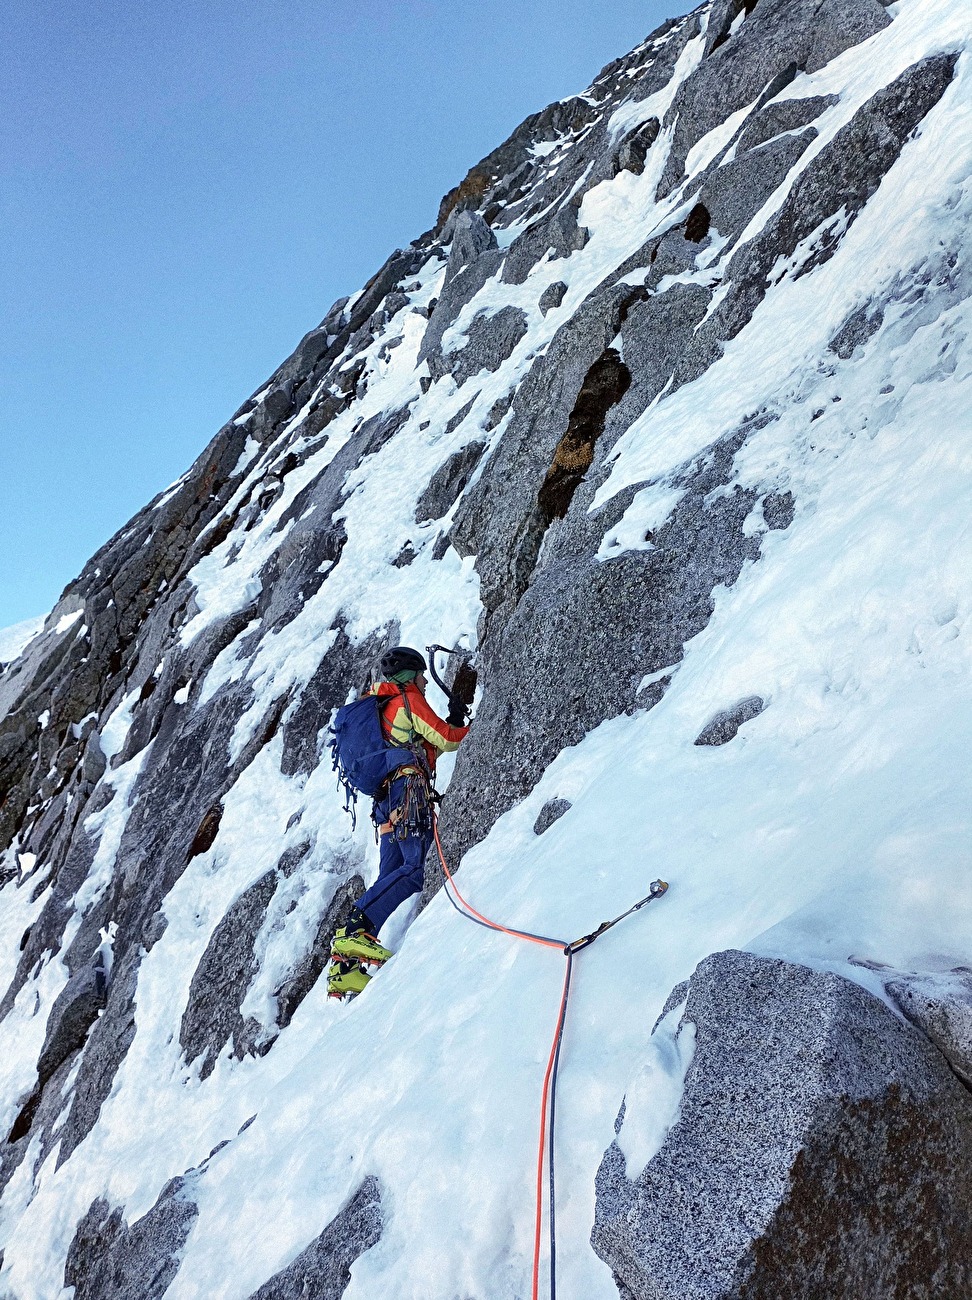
<point>363,758</point>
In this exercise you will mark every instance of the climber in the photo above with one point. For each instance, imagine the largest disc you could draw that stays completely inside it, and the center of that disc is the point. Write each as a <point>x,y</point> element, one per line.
<point>402,813</point>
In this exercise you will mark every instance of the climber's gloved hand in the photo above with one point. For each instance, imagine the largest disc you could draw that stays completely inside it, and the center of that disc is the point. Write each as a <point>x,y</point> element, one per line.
<point>458,712</point>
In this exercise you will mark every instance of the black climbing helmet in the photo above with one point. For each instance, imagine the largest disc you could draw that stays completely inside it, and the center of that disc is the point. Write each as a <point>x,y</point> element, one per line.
<point>401,659</point>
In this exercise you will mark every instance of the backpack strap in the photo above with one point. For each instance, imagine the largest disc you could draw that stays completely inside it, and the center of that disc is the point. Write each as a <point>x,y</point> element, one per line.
<point>413,745</point>
<point>415,742</point>
<point>408,708</point>
<point>416,745</point>
<point>391,699</point>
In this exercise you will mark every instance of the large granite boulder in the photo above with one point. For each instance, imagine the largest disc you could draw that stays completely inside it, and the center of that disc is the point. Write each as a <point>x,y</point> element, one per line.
<point>821,1150</point>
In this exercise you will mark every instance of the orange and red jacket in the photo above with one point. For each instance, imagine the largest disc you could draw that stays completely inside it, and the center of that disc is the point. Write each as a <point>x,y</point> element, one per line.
<point>424,728</point>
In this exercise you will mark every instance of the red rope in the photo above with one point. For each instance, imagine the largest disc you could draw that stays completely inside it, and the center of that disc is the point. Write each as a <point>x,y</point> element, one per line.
<point>493,925</point>
<point>658,887</point>
<point>545,943</point>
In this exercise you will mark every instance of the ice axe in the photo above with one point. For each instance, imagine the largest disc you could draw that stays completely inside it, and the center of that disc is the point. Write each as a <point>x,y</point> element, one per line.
<point>463,690</point>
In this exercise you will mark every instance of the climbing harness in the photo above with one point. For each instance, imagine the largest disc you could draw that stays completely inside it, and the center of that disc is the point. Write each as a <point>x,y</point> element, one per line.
<point>548,1096</point>
<point>413,816</point>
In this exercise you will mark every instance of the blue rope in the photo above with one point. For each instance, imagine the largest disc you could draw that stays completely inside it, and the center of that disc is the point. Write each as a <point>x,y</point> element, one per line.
<point>524,934</point>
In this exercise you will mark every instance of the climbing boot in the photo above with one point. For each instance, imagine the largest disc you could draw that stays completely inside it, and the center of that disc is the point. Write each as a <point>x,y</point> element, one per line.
<point>346,979</point>
<point>358,945</point>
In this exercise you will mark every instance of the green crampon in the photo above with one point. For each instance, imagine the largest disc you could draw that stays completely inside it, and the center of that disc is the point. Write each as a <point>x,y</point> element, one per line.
<point>346,979</point>
<point>356,945</point>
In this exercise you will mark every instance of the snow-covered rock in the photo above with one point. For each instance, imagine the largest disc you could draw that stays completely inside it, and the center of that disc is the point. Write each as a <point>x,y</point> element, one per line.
<point>940,1005</point>
<point>665,425</point>
<point>14,638</point>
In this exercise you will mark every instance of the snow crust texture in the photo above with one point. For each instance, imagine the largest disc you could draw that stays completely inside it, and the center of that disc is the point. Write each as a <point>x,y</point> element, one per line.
<point>664,425</point>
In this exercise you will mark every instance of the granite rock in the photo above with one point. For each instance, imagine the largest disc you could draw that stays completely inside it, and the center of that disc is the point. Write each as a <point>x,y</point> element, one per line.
<point>777,38</point>
<point>552,296</point>
<point>941,1006</point>
<point>322,1270</point>
<point>821,1151</point>
<point>725,725</point>
<point>551,812</point>
<point>489,341</point>
<point>220,982</point>
<point>448,482</point>
<point>109,1257</point>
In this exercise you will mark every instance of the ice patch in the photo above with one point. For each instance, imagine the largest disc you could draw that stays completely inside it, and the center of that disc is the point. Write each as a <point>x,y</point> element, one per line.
<point>647,512</point>
<point>114,733</point>
<point>67,621</point>
<point>705,150</point>
<point>636,112</point>
<point>652,1103</point>
<point>250,449</point>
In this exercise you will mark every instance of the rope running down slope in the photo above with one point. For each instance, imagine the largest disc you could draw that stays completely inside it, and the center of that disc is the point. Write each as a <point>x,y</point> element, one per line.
<point>548,1095</point>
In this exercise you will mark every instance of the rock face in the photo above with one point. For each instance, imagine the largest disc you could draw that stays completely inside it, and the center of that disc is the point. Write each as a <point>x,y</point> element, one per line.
<point>72,1015</point>
<point>137,1262</point>
<point>323,1270</point>
<point>222,978</point>
<point>478,448</point>
<point>821,1150</point>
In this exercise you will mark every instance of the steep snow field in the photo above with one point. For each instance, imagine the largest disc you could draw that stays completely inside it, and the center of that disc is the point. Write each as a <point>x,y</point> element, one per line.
<point>14,638</point>
<point>836,826</point>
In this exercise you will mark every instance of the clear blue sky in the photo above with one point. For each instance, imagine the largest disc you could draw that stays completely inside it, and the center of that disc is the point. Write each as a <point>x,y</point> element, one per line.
<point>185,188</point>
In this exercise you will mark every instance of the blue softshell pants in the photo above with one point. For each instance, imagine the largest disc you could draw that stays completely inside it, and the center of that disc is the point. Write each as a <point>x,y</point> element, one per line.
<point>401,863</point>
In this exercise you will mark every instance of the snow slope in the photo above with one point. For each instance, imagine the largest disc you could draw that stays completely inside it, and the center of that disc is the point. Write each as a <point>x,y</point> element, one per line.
<point>14,638</point>
<point>835,826</point>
